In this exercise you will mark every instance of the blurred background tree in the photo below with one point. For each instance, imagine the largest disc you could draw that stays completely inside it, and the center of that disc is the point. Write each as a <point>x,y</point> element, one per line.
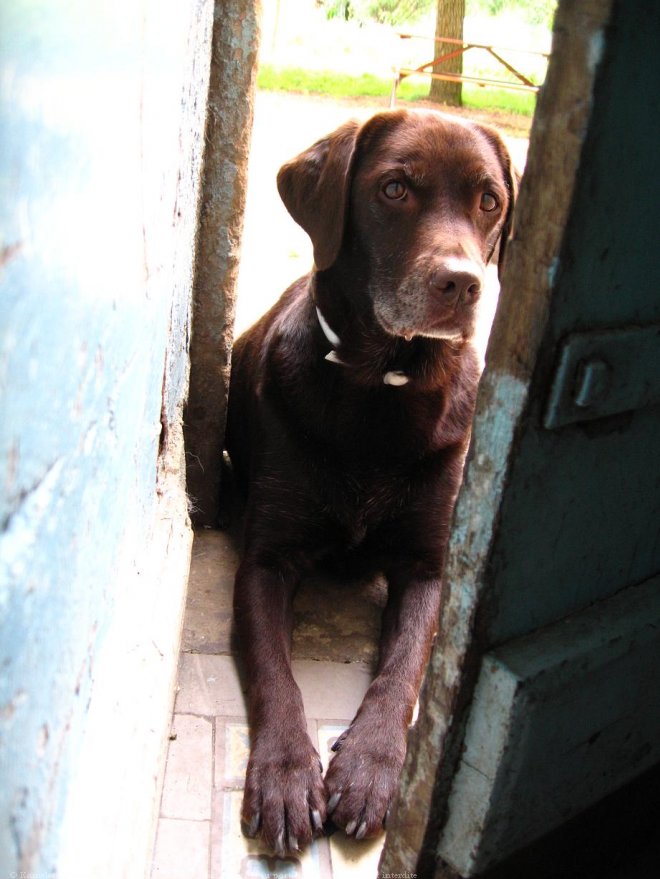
<point>448,23</point>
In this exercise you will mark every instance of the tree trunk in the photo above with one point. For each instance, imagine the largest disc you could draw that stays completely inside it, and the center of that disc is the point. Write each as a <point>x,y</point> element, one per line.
<point>449,23</point>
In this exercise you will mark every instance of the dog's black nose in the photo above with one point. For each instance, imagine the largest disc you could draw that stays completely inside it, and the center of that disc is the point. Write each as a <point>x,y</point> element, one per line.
<point>455,282</point>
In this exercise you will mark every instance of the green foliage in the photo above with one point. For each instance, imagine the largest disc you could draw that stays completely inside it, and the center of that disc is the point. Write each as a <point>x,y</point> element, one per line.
<point>338,9</point>
<point>532,11</point>
<point>392,12</point>
<point>398,12</point>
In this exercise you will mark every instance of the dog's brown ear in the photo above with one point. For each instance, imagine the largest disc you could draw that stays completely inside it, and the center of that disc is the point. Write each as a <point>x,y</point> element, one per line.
<point>512,178</point>
<point>315,190</point>
<point>513,182</point>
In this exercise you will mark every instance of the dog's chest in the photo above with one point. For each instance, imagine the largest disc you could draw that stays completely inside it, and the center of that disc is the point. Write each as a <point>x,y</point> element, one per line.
<point>374,430</point>
<point>358,503</point>
<point>362,459</point>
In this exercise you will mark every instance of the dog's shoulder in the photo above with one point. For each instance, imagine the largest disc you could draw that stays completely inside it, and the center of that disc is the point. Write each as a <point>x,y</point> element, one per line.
<point>281,328</point>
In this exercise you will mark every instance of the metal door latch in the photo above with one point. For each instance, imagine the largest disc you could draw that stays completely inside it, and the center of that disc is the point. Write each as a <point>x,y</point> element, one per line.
<point>604,372</point>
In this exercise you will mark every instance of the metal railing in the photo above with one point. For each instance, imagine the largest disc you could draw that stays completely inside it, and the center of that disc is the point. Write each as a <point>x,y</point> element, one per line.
<point>429,68</point>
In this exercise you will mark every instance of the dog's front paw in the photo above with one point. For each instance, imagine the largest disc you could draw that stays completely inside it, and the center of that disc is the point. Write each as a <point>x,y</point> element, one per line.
<point>284,797</point>
<point>362,780</point>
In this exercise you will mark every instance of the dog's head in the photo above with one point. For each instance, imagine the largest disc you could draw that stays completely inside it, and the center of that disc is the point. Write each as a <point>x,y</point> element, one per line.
<point>418,203</point>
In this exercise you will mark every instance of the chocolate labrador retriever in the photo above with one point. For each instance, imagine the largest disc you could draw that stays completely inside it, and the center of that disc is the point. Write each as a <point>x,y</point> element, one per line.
<point>349,417</point>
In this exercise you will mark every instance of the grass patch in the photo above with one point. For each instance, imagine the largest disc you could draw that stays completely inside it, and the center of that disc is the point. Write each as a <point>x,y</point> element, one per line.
<point>322,82</point>
<point>480,98</point>
<point>344,85</point>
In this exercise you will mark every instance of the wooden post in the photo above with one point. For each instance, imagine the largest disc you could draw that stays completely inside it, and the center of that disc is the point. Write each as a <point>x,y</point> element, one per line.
<point>224,184</point>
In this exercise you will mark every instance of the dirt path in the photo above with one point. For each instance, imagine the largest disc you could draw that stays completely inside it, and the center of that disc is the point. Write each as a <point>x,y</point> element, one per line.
<point>275,250</point>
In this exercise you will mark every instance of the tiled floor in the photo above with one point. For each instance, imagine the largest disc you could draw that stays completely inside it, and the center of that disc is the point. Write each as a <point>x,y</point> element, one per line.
<point>199,834</point>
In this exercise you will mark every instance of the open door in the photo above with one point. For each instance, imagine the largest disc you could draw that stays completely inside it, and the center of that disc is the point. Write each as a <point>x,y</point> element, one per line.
<point>542,692</point>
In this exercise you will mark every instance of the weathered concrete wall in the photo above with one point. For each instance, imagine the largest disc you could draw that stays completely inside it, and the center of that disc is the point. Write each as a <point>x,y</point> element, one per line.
<point>231,92</point>
<point>101,128</point>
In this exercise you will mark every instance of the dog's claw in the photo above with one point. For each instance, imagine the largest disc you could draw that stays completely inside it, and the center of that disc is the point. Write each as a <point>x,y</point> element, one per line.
<point>251,828</point>
<point>350,828</point>
<point>278,848</point>
<point>332,802</point>
<point>361,831</point>
<point>293,844</point>
<point>317,823</point>
<point>386,818</point>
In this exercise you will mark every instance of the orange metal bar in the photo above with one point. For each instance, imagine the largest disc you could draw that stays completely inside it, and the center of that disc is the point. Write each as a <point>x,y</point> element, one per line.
<point>439,60</point>
<point>524,83</point>
<point>513,70</point>
<point>456,42</point>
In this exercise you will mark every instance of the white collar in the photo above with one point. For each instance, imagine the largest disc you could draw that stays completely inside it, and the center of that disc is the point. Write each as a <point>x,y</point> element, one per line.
<point>394,377</point>
<point>330,335</point>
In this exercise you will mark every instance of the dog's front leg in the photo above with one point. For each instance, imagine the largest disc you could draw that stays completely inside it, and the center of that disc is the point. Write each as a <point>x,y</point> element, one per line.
<point>284,799</point>
<point>364,774</point>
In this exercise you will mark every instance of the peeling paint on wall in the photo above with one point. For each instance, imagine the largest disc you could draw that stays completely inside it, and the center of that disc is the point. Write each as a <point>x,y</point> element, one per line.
<point>101,122</point>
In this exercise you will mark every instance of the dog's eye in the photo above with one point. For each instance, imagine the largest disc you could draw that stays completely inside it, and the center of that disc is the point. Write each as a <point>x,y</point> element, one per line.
<point>488,202</point>
<point>395,189</point>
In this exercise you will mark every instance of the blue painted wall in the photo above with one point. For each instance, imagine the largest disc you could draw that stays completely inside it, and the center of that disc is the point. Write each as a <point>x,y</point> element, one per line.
<point>101,121</point>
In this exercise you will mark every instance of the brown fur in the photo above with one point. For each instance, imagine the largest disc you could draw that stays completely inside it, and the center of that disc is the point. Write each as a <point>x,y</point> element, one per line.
<point>336,462</point>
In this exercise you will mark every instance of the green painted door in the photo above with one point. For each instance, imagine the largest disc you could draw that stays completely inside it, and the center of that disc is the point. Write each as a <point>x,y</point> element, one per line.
<point>543,693</point>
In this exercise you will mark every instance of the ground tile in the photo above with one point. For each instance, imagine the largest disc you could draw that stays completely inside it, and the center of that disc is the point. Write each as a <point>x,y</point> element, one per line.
<point>233,855</point>
<point>331,689</point>
<point>207,624</point>
<point>352,859</point>
<point>232,749</point>
<point>209,686</point>
<point>182,850</point>
<point>189,772</point>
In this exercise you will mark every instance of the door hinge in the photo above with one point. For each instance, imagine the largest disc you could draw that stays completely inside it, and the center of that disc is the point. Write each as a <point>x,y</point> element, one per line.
<point>604,372</point>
